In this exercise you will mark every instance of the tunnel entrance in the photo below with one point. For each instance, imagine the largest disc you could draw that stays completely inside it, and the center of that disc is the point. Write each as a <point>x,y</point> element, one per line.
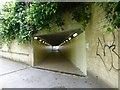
<point>49,53</point>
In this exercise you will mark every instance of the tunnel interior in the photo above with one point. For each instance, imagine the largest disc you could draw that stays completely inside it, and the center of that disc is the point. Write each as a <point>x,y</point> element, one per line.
<point>49,53</point>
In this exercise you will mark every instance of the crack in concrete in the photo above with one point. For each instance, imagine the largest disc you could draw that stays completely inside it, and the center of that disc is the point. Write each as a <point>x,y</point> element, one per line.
<point>14,71</point>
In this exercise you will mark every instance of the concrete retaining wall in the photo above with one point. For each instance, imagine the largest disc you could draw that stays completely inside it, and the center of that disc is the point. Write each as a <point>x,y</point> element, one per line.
<point>22,53</point>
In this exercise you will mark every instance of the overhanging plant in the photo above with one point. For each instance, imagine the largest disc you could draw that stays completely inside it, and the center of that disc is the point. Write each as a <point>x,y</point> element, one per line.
<point>24,19</point>
<point>112,14</point>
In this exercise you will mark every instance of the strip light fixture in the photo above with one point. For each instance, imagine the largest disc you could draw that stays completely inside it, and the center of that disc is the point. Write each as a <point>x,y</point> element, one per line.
<point>35,37</point>
<point>75,34</point>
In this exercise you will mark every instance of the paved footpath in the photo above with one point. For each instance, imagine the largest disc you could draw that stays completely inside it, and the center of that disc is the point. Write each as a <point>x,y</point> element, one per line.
<point>18,75</point>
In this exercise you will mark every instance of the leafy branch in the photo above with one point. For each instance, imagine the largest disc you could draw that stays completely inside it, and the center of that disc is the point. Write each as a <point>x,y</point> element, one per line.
<point>22,20</point>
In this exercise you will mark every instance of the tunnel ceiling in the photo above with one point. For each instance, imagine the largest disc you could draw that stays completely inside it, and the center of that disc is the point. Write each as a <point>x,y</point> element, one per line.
<point>57,38</point>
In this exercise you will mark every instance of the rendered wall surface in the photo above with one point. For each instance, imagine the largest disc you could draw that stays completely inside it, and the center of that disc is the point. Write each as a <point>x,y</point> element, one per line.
<point>40,51</point>
<point>102,54</point>
<point>69,24</point>
<point>117,33</point>
<point>75,51</point>
<point>22,53</point>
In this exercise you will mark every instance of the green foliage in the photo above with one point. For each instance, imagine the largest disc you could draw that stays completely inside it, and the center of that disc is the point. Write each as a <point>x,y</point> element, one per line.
<point>82,13</point>
<point>0,43</point>
<point>21,20</point>
<point>26,19</point>
<point>112,10</point>
<point>7,33</point>
<point>41,14</point>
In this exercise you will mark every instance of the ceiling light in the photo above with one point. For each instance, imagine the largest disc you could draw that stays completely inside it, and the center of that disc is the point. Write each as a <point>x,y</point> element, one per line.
<point>69,38</point>
<point>66,40</point>
<point>40,40</point>
<point>43,41</point>
<point>35,37</point>
<point>75,34</point>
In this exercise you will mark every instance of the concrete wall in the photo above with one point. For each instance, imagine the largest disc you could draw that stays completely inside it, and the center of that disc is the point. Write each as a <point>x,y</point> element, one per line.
<point>75,51</point>
<point>69,25</point>
<point>30,54</point>
<point>40,51</point>
<point>22,53</point>
<point>98,61</point>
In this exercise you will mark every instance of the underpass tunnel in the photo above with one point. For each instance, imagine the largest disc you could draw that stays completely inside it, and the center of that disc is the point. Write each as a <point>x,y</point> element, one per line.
<point>62,52</point>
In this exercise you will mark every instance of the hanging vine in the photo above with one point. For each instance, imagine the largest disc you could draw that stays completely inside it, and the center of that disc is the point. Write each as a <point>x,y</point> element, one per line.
<point>24,19</point>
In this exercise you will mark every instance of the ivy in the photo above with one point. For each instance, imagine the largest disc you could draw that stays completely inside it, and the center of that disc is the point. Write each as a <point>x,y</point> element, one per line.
<point>26,20</point>
<point>22,20</point>
<point>112,14</point>
<point>82,13</point>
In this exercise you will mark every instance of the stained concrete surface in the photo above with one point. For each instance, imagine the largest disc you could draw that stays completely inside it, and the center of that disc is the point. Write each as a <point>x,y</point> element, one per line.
<point>56,61</point>
<point>28,77</point>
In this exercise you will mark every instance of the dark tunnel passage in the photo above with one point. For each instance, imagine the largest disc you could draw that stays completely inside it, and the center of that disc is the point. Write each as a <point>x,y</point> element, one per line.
<point>49,52</point>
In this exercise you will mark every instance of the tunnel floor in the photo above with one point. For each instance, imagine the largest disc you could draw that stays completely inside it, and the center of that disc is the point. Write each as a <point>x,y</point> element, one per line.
<point>57,62</point>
